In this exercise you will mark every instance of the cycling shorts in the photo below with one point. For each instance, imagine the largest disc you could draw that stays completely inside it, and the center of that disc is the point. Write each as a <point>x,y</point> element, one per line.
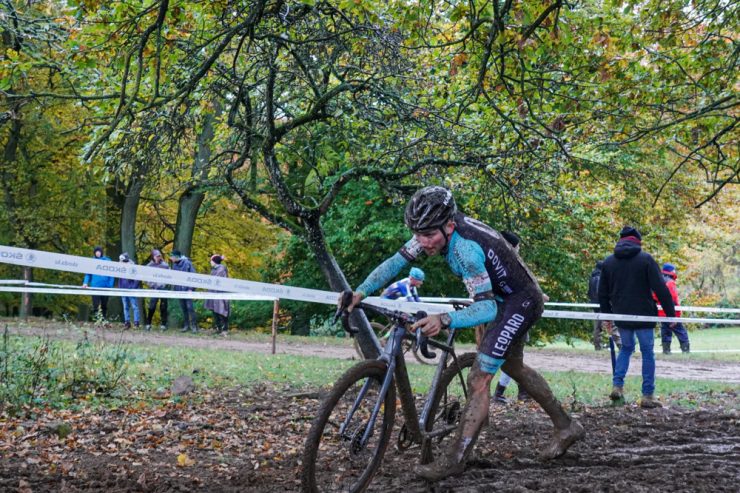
<point>515,317</point>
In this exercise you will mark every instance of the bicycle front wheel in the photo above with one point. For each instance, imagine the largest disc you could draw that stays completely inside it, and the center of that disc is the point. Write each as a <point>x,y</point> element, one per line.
<point>340,454</point>
<point>448,404</point>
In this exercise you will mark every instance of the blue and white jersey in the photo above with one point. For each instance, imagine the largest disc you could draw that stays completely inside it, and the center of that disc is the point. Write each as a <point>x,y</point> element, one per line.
<point>401,289</point>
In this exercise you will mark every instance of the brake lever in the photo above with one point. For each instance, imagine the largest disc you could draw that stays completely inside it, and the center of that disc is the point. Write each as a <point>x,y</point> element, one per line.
<point>422,340</point>
<point>343,313</point>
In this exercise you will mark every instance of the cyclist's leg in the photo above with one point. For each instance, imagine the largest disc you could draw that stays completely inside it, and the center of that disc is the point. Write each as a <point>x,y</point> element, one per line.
<point>567,430</point>
<point>474,416</point>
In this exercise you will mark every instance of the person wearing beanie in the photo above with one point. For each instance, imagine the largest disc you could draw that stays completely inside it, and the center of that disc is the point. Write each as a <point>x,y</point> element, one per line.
<point>667,329</point>
<point>158,262</point>
<point>220,308</point>
<point>183,264</point>
<point>130,303</point>
<point>628,278</point>
<point>99,303</point>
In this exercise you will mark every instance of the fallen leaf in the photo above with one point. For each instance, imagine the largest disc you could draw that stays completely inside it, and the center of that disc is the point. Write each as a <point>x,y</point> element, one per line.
<point>184,461</point>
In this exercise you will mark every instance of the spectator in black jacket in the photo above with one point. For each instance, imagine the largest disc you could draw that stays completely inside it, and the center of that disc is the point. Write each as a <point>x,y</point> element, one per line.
<point>628,278</point>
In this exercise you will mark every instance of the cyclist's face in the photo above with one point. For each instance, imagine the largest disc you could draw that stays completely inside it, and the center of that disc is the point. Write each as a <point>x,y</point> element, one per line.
<point>433,242</point>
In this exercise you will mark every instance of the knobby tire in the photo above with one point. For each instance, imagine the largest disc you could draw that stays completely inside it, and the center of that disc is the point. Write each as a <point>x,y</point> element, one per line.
<point>336,463</point>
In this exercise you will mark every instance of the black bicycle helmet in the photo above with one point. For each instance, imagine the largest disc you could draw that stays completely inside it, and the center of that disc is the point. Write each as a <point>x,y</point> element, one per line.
<point>429,208</point>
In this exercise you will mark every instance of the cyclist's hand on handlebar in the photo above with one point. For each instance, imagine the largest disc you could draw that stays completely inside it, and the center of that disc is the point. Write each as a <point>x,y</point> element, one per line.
<point>343,304</point>
<point>430,325</point>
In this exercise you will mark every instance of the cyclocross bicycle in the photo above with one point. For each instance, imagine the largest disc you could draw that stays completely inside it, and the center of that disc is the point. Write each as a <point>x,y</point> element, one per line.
<point>352,430</point>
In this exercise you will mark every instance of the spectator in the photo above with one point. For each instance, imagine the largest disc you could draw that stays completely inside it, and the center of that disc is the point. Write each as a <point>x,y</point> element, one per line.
<point>593,297</point>
<point>666,329</point>
<point>129,301</point>
<point>158,262</point>
<point>99,303</point>
<point>220,308</point>
<point>406,288</point>
<point>183,264</point>
<point>627,279</point>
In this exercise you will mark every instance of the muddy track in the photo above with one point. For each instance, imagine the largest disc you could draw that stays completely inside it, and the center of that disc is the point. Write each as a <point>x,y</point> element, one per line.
<point>251,440</point>
<point>676,366</point>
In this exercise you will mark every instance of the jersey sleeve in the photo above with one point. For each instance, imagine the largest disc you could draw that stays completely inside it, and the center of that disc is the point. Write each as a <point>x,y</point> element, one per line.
<point>382,274</point>
<point>469,262</point>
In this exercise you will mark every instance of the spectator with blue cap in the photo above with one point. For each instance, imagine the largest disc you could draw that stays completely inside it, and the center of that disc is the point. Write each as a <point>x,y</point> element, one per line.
<point>406,287</point>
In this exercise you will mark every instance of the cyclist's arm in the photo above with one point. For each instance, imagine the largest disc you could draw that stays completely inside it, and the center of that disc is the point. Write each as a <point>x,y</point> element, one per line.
<point>469,261</point>
<point>382,274</point>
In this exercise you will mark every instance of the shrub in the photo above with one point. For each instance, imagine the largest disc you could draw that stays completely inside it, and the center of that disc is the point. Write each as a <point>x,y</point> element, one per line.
<point>40,371</point>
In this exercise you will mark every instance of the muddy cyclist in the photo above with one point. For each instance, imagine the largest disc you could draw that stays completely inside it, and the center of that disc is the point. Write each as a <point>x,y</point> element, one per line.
<point>490,269</point>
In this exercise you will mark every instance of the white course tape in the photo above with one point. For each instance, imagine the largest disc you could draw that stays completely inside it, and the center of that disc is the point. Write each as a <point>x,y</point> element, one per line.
<point>635,318</point>
<point>87,265</point>
<point>705,309</point>
<point>142,293</point>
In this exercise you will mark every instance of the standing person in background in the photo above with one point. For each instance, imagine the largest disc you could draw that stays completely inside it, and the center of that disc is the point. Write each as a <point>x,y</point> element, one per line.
<point>666,329</point>
<point>99,303</point>
<point>158,262</point>
<point>183,264</point>
<point>129,301</point>
<point>628,278</point>
<point>593,297</point>
<point>406,288</point>
<point>220,308</point>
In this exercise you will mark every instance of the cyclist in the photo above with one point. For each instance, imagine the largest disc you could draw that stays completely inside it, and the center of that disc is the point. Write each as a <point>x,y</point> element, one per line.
<point>489,267</point>
<point>406,288</point>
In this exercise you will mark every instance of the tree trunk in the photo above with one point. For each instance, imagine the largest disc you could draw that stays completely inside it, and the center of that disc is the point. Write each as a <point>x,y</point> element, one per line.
<point>337,282</point>
<point>187,214</point>
<point>192,198</point>
<point>128,216</point>
<point>116,200</point>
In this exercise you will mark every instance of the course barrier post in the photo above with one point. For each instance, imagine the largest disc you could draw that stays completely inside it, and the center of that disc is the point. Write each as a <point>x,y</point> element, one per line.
<point>275,309</point>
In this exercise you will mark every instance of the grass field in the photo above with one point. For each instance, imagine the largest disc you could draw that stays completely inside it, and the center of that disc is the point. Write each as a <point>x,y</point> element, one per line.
<point>150,369</point>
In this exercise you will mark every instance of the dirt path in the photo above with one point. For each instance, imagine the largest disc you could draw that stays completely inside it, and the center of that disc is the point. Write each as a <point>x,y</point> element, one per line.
<point>251,440</point>
<point>677,367</point>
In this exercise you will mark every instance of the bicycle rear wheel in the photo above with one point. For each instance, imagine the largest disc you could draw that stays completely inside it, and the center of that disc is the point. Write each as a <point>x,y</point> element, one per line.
<point>334,461</point>
<point>381,332</point>
<point>448,404</point>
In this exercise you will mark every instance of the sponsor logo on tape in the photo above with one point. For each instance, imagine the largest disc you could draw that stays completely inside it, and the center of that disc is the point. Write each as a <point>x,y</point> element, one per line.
<point>199,280</point>
<point>11,255</point>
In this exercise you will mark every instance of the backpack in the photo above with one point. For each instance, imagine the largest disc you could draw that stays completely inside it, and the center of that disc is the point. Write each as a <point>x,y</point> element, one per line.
<point>593,286</point>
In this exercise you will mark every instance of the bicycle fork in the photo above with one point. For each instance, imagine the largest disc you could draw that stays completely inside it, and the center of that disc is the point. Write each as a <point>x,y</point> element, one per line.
<point>387,356</point>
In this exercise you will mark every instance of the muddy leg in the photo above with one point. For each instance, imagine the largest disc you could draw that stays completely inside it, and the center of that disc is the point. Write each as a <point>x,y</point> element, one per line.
<point>474,416</point>
<point>567,431</point>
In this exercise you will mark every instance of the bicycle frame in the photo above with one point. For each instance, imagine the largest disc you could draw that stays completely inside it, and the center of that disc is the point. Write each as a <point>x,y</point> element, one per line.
<point>393,356</point>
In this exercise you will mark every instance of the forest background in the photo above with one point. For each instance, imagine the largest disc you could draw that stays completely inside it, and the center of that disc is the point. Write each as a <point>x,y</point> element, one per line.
<point>288,135</point>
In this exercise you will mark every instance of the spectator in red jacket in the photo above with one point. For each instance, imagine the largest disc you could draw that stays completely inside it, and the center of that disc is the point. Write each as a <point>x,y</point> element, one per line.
<point>666,331</point>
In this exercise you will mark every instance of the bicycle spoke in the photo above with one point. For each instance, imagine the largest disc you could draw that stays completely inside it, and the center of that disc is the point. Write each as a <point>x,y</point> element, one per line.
<point>344,461</point>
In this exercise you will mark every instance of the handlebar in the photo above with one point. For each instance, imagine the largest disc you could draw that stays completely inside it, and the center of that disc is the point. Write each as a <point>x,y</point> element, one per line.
<point>397,317</point>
